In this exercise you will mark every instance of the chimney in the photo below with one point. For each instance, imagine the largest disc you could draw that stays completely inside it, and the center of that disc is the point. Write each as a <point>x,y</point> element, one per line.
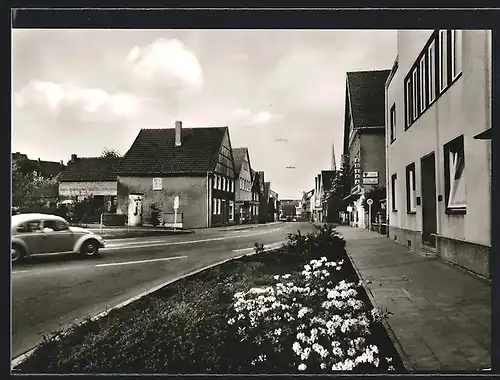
<point>73,157</point>
<point>178,133</point>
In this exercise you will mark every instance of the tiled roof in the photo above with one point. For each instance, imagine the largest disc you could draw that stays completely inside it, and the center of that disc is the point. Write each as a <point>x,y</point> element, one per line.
<point>367,97</point>
<point>46,168</point>
<point>327,177</point>
<point>239,156</point>
<point>91,169</point>
<point>154,151</point>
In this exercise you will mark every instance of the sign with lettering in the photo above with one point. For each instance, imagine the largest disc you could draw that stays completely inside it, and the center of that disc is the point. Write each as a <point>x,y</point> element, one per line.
<point>370,181</point>
<point>357,170</point>
<point>356,181</point>
<point>357,165</point>
<point>356,160</point>
<point>74,189</point>
<point>370,174</point>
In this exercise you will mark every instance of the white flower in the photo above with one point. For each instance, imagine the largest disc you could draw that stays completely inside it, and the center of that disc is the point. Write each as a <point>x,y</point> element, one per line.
<point>231,321</point>
<point>302,367</point>
<point>322,365</point>
<point>277,331</point>
<point>276,277</point>
<point>297,348</point>
<point>303,311</point>
<point>388,359</point>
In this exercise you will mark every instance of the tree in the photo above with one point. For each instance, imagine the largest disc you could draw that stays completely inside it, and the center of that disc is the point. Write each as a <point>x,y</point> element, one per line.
<point>340,189</point>
<point>29,187</point>
<point>110,153</point>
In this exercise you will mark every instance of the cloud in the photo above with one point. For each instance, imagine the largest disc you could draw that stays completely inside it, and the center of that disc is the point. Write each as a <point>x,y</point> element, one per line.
<point>237,57</point>
<point>167,61</point>
<point>246,116</point>
<point>48,97</point>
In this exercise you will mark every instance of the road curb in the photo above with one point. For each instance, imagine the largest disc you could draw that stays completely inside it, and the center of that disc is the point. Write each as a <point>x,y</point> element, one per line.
<point>21,358</point>
<point>397,345</point>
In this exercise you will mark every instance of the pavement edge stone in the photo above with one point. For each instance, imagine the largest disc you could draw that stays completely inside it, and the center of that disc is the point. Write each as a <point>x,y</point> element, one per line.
<point>21,358</point>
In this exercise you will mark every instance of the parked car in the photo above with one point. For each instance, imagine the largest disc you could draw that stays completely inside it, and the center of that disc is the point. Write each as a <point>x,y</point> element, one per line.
<point>34,234</point>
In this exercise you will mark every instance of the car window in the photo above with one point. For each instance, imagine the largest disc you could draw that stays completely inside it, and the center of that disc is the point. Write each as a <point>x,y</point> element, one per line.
<point>34,226</point>
<point>20,228</point>
<point>56,225</point>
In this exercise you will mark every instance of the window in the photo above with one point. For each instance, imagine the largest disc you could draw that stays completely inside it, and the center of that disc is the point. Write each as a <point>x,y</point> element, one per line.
<point>218,206</point>
<point>408,102</point>
<point>431,66</point>
<point>422,86</point>
<point>411,197</point>
<point>454,164</point>
<point>231,210</point>
<point>414,83</point>
<point>157,183</point>
<point>393,191</point>
<point>56,225</point>
<point>218,183</point>
<point>393,122</point>
<point>34,226</point>
<point>456,53</point>
<point>223,183</point>
<point>443,60</point>
<point>214,206</point>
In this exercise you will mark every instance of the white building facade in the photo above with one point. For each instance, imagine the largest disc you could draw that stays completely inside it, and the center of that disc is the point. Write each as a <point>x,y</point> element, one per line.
<point>438,100</point>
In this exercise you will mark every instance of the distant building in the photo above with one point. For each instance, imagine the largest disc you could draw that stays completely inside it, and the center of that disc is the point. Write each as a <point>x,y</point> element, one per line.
<point>91,177</point>
<point>194,164</point>
<point>289,207</point>
<point>329,213</point>
<point>257,193</point>
<point>48,169</point>
<point>439,167</point>
<point>274,207</point>
<point>245,204</point>
<point>364,137</point>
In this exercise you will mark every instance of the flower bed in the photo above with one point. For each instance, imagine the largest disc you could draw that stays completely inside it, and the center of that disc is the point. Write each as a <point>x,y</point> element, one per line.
<point>296,309</point>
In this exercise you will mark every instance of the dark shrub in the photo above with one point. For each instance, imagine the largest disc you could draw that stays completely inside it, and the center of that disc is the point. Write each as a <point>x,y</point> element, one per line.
<point>154,214</point>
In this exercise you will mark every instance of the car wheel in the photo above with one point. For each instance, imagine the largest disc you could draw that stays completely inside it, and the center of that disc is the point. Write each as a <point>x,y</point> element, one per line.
<point>90,248</point>
<point>17,253</point>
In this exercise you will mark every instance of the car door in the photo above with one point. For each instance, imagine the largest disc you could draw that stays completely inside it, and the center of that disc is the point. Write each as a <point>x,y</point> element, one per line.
<point>32,236</point>
<point>59,238</point>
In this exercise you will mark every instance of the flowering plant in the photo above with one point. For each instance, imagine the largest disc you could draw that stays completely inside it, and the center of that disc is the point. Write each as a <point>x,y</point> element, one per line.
<point>311,314</point>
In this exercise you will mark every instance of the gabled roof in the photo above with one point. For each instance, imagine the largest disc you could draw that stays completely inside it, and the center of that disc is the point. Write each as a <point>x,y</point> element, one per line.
<point>91,169</point>
<point>46,168</point>
<point>239,155</point>
<point>327,178</point>
<point>154,151</point>
<point>366,91</point>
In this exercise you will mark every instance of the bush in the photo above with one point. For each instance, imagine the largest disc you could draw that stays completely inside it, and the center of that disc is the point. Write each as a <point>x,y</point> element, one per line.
<point>114,219</point>
<point>310,322</point>
<point>154,214</point>
<point>325,242</point>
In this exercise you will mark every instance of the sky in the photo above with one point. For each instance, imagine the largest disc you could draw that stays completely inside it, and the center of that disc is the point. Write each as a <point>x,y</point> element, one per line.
<point>280,92</point>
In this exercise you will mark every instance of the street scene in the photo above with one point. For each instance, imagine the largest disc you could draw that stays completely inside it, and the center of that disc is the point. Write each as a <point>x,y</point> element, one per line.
<point>251,201</point>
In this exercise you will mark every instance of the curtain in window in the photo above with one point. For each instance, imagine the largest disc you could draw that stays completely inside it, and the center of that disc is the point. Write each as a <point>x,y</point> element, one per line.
<point>456,197</point>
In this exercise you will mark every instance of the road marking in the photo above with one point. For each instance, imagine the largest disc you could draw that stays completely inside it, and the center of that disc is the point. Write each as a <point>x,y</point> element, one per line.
<point>140,261</point>
<point>133,243</point>
<point>20,271</point>
<point>145,245</point>
<point>21,358</point>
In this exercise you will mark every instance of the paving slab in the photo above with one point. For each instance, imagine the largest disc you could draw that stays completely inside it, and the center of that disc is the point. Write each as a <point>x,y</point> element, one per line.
<point>441,316</point>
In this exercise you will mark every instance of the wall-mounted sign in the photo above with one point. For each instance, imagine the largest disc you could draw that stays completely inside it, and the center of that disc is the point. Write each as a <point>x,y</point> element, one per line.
<point>370,174</point>
<point>370,181</point>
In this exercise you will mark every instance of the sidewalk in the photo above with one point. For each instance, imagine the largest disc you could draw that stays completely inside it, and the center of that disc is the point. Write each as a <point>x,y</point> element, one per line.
<point>441,316</point>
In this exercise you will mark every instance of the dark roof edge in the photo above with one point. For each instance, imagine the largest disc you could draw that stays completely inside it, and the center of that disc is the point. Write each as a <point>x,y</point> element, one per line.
<point>393,71</point>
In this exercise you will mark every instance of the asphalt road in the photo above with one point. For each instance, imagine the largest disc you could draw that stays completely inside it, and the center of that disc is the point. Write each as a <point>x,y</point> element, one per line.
<point>52,292</point>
